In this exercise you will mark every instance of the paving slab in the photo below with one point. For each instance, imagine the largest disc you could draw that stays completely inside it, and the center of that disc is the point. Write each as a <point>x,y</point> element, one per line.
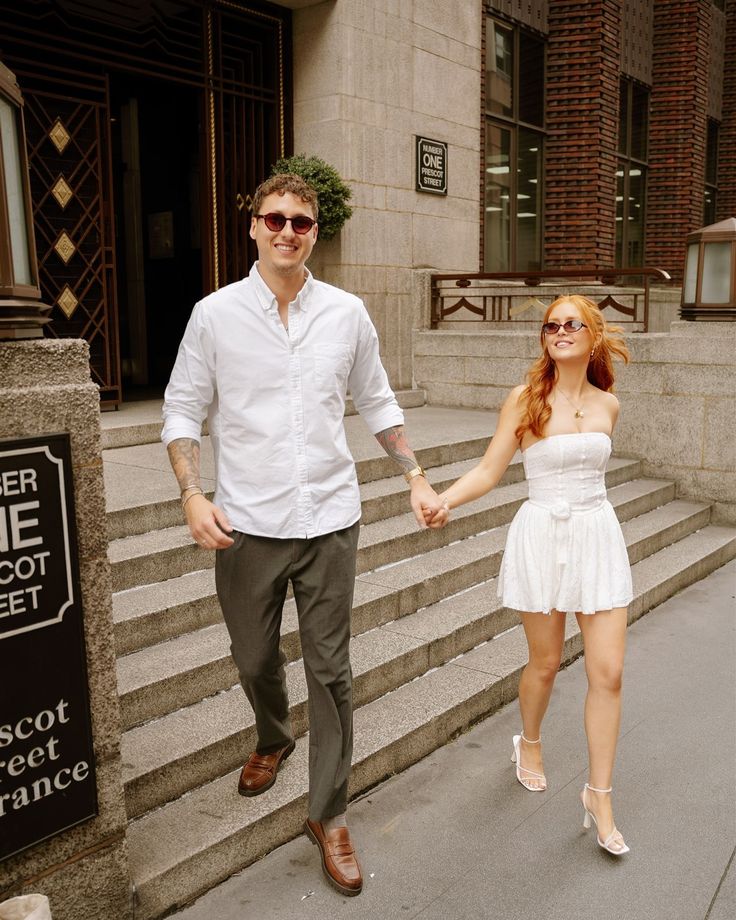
<point>456,837</point>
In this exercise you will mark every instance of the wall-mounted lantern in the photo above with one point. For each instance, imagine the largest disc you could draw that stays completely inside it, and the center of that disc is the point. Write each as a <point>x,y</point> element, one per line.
<point>709,287</point>
<point>22,314</point>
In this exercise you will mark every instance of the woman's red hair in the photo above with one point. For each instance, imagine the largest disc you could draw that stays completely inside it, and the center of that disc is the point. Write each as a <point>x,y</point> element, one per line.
<point>541,376</point>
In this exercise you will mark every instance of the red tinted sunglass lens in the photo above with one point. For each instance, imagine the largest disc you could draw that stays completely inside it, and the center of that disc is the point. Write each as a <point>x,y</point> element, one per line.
<point>274,222</point>
<point>572,325</point>
<point>302,224</point>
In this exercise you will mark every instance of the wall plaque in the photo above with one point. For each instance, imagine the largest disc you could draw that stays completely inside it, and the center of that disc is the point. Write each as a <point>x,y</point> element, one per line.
<point>47,769</point>
<point>431,159</point>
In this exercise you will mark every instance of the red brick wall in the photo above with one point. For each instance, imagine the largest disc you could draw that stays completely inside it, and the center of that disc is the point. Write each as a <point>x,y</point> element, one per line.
<point>677,131</point>
<point>726,201</point>
<point>582,119</point>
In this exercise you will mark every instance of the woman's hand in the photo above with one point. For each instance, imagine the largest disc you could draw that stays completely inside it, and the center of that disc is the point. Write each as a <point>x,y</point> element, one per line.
<point>437,518</point>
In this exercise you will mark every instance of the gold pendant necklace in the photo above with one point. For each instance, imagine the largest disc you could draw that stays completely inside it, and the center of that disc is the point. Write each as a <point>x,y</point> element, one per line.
<point>578,409</point>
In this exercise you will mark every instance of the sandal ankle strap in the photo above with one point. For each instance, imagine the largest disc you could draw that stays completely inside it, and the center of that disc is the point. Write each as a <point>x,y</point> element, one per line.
<point>524,737</point>
<point>593,789</point>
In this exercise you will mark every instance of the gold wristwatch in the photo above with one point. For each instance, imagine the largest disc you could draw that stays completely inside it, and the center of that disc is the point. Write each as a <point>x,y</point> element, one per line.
<point>417,471</point>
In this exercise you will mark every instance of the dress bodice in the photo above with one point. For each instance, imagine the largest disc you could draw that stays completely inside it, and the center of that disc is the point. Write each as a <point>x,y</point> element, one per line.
<point>566,472</point>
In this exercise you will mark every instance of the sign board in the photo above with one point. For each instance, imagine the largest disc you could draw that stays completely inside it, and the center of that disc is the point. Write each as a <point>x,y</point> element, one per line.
<point>47,769</point>
<point>431,166</point>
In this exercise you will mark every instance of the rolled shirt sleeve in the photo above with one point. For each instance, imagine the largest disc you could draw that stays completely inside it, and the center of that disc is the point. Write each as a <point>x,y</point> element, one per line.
<point>191,389</point>
<point>368,382</point>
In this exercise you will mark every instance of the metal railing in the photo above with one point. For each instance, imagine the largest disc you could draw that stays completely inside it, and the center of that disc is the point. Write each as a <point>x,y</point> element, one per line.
<point>486,303</point>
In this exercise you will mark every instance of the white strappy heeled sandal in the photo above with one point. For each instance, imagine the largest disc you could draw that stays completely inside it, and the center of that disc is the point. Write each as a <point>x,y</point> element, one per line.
<point>616,849</point>
<point>516,758</point>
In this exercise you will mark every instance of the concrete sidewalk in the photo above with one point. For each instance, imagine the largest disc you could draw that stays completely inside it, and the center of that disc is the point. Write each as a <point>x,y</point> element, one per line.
<point>456,837</point>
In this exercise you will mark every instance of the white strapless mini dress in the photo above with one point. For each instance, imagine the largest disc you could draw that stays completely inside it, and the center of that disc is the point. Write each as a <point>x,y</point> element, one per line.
<point>565,550</point>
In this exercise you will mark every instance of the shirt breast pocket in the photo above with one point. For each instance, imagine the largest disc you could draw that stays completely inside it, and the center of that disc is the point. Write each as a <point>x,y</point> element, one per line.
<point>332,362</point>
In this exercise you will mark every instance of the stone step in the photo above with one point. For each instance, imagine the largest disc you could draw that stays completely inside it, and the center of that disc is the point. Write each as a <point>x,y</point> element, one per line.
<point>151,614</point>
<point>379,499</point>
<point>168,553</point>
<point>142,493</point>
<point>182,849</point>
<point>165,757</point>
<point>182,670</point>
<point>140,423</point>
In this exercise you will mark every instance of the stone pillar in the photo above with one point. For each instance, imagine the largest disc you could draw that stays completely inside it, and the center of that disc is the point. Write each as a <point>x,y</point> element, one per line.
<point>677,130</point>
<point>726,202</point>
<point>368,77</point>
<point>45,388</point>
<point>583,60</point>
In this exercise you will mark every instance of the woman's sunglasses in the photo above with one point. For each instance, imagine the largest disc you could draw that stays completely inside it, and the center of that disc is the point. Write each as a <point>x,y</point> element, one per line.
<point>572,325</point>
<point>277,222</point>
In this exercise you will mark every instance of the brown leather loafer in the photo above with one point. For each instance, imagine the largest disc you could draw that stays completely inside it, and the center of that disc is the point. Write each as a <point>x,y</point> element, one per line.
<point>259,772</point>
<point>339,862</point>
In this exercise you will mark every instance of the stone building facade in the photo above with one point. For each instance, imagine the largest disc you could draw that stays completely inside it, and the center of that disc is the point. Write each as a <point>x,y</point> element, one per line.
<point>594,133</point>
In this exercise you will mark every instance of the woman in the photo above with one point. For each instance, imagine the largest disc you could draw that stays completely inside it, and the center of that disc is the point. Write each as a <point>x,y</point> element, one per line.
<point>565,551</point>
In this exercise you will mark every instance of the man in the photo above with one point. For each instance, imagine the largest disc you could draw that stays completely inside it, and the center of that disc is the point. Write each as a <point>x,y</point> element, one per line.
<point>269,360</point>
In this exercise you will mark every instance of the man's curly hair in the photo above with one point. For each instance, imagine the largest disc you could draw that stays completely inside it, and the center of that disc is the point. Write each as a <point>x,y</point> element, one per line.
<point>282,183</point>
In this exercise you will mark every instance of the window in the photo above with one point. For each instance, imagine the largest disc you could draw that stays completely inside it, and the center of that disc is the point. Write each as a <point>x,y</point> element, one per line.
<point>514,145</point>
<point>631,173</point>
<point>711,173</point>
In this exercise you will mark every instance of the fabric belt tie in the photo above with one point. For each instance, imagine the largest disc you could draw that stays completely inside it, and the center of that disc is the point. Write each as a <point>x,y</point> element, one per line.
<point>561,513</point>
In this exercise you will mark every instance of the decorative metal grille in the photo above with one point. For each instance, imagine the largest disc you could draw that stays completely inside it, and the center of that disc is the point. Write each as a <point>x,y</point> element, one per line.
<point>68,156</point>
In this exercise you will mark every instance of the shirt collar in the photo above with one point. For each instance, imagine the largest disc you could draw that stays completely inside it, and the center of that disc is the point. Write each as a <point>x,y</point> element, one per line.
<point>267,298</point>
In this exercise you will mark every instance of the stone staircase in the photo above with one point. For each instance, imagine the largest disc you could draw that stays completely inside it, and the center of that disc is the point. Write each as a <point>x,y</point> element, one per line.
<point>433,650</point>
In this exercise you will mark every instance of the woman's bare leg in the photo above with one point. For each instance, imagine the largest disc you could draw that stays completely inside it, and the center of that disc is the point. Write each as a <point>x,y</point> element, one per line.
<point>545,636</point>
<point>604,640</point>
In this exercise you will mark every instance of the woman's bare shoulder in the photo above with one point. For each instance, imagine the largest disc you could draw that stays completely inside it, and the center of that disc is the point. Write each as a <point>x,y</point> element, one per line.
<point>610,399</point>
<point>515,395</point>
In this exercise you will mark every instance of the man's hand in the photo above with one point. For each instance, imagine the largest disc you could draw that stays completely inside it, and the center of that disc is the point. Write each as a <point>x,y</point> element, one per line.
<point>425,503</point>
<point>208,524</point>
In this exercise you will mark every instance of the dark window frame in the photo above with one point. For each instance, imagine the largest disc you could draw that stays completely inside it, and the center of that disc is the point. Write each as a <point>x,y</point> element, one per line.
<point>515,126</point>
<point>630,164</point>
<point>710,190</point>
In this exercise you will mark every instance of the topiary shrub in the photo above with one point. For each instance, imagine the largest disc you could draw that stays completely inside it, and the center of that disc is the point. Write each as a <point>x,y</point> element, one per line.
<point>332,192</point>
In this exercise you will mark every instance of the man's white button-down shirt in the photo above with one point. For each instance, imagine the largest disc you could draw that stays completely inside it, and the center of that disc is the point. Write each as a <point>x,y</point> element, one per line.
<point>275,400</point>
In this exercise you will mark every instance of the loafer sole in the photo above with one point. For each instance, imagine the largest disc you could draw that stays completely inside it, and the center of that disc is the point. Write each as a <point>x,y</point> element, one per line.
<point>249,793</point>
<point>349,892</point>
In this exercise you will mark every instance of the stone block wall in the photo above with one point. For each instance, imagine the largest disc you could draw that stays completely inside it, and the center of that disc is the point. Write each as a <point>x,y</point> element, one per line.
<point>368,77</point>
<point>677,396</point>
<point>45,388</point>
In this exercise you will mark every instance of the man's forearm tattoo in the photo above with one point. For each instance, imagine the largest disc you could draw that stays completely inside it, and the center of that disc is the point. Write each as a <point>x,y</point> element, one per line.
<point>393,441</point>
<point>184,457</point>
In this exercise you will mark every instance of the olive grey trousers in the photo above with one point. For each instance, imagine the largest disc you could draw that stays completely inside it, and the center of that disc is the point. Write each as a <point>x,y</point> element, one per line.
<point>252,577</point>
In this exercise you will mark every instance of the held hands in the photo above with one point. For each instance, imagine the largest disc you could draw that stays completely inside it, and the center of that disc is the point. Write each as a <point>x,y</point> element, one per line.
<point>428,507</point>
<point>208,525</point>
<point>437,518</point>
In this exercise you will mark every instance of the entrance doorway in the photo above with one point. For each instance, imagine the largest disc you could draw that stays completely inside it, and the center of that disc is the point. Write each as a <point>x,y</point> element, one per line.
<point>157,143</point>
<point>149,126</point>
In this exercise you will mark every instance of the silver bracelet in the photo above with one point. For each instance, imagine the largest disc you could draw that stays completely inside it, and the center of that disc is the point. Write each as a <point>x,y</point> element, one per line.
<point>185,500</point>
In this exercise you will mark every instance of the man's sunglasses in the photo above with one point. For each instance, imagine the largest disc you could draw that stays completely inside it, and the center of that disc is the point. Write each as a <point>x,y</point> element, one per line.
<point>277,222</point>
<point>572,325</point>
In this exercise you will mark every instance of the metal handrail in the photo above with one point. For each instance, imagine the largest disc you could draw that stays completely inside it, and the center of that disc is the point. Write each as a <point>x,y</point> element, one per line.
<point>606,276</point>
